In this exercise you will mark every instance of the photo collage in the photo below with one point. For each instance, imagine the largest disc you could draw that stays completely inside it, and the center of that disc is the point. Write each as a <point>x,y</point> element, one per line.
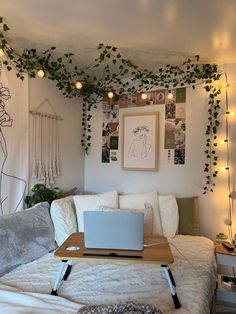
<point>175,116</point>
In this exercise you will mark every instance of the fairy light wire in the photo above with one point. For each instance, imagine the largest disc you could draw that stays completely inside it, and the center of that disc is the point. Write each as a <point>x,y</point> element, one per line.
<point>227,134</point>
<point>196,269</point>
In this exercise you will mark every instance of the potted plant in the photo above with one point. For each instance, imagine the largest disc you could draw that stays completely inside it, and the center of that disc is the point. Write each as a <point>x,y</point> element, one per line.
<point>40,193</point>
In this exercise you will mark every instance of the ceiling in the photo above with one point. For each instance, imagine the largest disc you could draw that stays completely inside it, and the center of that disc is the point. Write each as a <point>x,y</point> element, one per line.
<point>149,32</point>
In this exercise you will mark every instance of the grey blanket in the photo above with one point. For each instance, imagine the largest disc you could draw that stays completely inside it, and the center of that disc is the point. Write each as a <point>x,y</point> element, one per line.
<point>120,308</point>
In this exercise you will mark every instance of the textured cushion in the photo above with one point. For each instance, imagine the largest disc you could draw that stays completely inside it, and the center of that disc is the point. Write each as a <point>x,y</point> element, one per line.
<point>169,215</point>
<point>148,215</point>
<point>188,215</point>
<point>93,202</point>
<point>64,218</point>
<point>139,201</point>
<point>25,236</point>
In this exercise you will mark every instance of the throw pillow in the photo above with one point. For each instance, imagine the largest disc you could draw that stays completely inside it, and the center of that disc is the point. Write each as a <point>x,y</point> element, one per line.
<point>64,218</point>
<point>25,236</point>
<point>148,215</point>
<point>138,201</point>
<point>93,202</point>
<point>188,215</point>
<point>169,215</point>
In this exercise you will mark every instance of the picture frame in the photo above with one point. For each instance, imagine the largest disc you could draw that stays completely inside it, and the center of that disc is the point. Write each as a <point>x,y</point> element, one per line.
<point>140,131</point>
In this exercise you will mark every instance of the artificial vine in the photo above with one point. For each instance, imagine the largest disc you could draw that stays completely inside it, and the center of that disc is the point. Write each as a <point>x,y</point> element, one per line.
<point>111,71</point>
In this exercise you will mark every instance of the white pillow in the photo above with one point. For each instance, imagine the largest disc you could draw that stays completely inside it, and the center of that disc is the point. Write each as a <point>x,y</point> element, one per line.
<point>93,202</point>
<point>148,215</point>
<point>64,218</point>
<point>138,201</point>
<point>169,215</point>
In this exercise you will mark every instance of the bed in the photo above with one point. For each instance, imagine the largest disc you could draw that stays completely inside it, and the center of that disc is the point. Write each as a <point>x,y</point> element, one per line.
<point>26,289</point>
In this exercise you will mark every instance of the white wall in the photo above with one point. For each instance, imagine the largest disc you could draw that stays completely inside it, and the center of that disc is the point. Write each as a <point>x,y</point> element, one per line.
<point>181,180</point>
<point>71,154</point>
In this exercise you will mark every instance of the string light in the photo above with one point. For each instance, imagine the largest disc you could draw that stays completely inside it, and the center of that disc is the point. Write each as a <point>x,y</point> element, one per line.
<point>110,95</point>
<point>230,113</point>
<point>170,95</point>
<point>1,52</point>
<point>229,180</point>
<point>40,73</point>
<point>144,96</point>
<point>224,168</point>
<point>224,141</point>
<point>78,85</point>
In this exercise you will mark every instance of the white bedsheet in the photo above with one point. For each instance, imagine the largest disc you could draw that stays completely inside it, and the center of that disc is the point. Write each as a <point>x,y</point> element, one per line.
<point>94,282</point>
<point>14,301</point>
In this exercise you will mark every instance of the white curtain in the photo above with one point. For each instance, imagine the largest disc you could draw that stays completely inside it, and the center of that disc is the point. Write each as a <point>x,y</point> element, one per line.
<point>14,113</point>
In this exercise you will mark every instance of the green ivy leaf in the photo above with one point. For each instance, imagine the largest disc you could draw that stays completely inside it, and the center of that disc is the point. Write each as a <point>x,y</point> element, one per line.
<point>5,28</point>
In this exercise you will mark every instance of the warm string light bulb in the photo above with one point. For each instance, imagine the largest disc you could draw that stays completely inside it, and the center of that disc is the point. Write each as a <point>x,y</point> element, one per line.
<point>170,95</point>
<point>40,73</point>
<point>144,96</point>
<point>226,84</point>
<point>78,85</point>
<point>222,142</point>
<point>224,169</point>
<point>1,52</point>
<point>110,95</point>
<point>230,113</point>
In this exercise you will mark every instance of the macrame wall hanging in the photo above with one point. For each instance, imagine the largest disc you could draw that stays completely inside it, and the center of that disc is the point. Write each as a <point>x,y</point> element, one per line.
<point>45,161</point>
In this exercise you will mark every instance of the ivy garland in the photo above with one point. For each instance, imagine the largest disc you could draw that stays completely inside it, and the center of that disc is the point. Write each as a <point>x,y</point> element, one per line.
<point>120,75</point>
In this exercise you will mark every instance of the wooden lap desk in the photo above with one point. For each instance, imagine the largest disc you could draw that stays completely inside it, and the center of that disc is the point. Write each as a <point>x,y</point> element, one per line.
<point>159,254</point>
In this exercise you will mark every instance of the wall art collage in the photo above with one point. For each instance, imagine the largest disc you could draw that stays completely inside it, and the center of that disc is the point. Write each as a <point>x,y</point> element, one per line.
<point>175,117</point>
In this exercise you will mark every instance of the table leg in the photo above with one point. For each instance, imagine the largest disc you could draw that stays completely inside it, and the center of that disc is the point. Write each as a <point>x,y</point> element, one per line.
<point>68,270</point>
<point>59,277</point>
<point>172,285</point>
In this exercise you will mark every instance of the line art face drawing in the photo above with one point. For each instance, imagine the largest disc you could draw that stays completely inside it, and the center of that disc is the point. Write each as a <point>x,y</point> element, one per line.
<point>139,147</point>
<point>6,121</point>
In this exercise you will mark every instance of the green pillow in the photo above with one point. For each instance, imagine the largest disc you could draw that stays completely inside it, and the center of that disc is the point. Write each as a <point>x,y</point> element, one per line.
<point>188,215</point>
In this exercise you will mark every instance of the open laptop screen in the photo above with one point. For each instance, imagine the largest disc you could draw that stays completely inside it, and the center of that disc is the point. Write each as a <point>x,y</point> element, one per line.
<point>113,230</point>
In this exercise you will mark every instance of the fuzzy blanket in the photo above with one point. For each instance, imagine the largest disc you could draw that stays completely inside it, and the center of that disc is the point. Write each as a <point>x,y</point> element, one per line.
<point>120,308</point>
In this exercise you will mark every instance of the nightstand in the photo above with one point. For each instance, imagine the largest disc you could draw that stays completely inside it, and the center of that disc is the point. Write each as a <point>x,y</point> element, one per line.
<point>226,258</point>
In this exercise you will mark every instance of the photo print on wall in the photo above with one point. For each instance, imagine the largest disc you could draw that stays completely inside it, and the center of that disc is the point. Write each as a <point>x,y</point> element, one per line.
<point>175,127</point>
<point>175,122</point>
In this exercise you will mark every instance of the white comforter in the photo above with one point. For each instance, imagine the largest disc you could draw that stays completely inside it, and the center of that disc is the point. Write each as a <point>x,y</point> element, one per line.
<point>94,282</point>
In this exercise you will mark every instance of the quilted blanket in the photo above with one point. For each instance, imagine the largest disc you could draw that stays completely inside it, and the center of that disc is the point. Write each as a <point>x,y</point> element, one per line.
<point>120,308</point>
<point>98,282</point>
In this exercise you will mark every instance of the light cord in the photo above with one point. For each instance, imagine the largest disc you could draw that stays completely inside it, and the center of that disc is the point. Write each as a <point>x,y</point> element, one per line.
<point>181,254</point>
<point>227,134</point>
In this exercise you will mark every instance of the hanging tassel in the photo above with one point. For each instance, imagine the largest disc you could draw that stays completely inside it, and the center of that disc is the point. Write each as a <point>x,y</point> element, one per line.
<point>40,164</point>
<point>34,163</point>
<point>34,169</point>
<point>50,159</point>
<point>57,166</point>
<point>57,150</point>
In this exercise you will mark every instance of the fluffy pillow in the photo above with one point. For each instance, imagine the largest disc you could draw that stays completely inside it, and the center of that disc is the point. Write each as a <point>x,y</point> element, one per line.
<point>93,202</point>
<point>169,215</point>
<point>139,201</point>
<point>148,215</point>
<point>64,218</point>
<point>25,236</point>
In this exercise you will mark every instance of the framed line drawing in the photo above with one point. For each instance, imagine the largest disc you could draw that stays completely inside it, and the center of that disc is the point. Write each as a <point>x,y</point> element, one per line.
<point>140,141</point>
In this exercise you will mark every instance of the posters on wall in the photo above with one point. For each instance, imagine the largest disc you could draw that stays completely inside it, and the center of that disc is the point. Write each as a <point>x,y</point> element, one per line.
<point>175,123</point>
<point>110,131</point>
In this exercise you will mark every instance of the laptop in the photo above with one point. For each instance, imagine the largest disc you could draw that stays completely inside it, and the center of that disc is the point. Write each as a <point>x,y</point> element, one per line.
<point>119,230</point>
